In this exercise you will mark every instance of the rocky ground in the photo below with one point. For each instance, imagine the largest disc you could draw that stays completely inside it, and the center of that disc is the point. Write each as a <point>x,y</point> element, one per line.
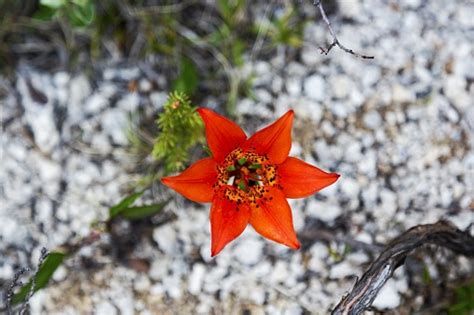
<point>399,129</point>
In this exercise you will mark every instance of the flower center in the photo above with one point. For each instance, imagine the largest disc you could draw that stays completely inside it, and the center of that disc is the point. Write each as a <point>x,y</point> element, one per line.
<point>244,174</point>
<point>248,172</point>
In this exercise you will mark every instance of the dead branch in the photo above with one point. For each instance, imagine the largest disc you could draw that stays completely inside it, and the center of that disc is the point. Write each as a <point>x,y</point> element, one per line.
<point>335,41</point>
<point>366,288</point>
<point>17,283</point>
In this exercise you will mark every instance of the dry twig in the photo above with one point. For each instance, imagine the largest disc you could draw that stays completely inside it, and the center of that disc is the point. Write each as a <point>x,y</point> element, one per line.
<point>366,288</point>
<point>335,41</point>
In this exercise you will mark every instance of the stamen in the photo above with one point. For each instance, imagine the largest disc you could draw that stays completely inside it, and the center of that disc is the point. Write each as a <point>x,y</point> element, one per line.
<point>242,161</point>
<point>255,166</point>
<point>242,185</point>
<point>231,180</point>
<point>231,168</point>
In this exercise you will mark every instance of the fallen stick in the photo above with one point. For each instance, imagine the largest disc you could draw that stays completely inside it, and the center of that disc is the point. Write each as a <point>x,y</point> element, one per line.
<point>442,233</point>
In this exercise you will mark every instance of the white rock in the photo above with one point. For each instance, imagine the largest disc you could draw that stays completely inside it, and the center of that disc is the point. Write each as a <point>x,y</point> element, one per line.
<point>158,99</point>
<point>388,297</point>
<point>349,186</point>
<point>293,309</point>
<point>372,120</point>
<point>341,270</point>
<point>114,123</point>
<point>129,102</point>
<point>142,283</point>
<point>323,210</point>
<point>280,272</point>
<point>263,96</point>
<point>293,86</point>
<point>310,55</point>
<point>145,85</point>
<point>196,279</point>
<point>61,79</point>
<point>248,251</point>
<point>370,76</point>
<point>350,8</point>
<point>412,4</point>
<point>165,236</point>
<point>95,103</point>
<point>315,87</point>
<point>305,108</point>
<point>340,110</point>
<point>43,126</point>
<point>341,86</point>
<point>401,94</point>
<point>277,84</point>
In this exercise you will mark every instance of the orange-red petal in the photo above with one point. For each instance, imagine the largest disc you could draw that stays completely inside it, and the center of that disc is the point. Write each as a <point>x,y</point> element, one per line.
<point>228,220</point>
<point>223,135</point>
<point>271,218</point>
<point>196,182</point>
<point>273,140</point>
<point>300,179</point>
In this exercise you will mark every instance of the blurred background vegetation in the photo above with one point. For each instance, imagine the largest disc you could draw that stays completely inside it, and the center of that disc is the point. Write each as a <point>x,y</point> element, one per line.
<point>200,45</point>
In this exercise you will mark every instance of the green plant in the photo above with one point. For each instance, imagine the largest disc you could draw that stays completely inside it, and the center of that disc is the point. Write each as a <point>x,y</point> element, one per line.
<point>286,29</point>
<point>80,13</point>
<point>181,128</point>
<point>464,301</point>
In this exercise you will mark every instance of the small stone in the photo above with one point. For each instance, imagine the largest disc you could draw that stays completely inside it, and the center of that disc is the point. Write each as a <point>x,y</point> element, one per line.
<point>350,8</point>
<point>105,307</point>
<point>293,86</point>
<point>263,96</point>
<point>311,55</point>
<point>165,236</point>
<point>372,120</point>
<point>114,123</point>
<point>248,251</point>
<point>341,86</point>
<point>349,186</point>
<point>158,99</point>
<point>315,87</point>
<point>401,94</point>
<point>341,270</point>
<point>196,279</point>
<point>145,85</point>
<point>323,210</point>
<point>388,297</point>
<point>142,283</point>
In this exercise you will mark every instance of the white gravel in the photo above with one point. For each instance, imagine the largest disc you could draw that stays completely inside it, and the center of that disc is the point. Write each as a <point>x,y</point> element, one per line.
<point>399,129</point>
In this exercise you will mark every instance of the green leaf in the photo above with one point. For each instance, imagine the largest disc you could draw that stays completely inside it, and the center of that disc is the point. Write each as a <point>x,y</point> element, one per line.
<point>45,13</point>
<point>124,203</point>
<point>54,4</point>
<point>188,78</point>
<point>82,14</point>
<point>45,272</point>
<point>136,213</point>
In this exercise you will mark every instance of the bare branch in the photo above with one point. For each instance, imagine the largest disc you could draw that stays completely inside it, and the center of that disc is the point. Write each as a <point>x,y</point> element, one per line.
<point>16,283</point>
<point>366,288</point>
<point>26,303</point>
<point>335,41</point>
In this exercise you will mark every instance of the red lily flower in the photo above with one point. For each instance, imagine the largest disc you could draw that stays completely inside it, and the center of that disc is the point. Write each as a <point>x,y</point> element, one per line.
<point>248,180</point>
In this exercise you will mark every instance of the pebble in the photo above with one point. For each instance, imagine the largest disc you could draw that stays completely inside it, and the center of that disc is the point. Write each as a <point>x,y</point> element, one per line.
<point>165,236</point>
<point>196,279</point>
<point>388,297</point>
<point>315,87</point>
<point>323,210</point>
<point>248,251</point>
